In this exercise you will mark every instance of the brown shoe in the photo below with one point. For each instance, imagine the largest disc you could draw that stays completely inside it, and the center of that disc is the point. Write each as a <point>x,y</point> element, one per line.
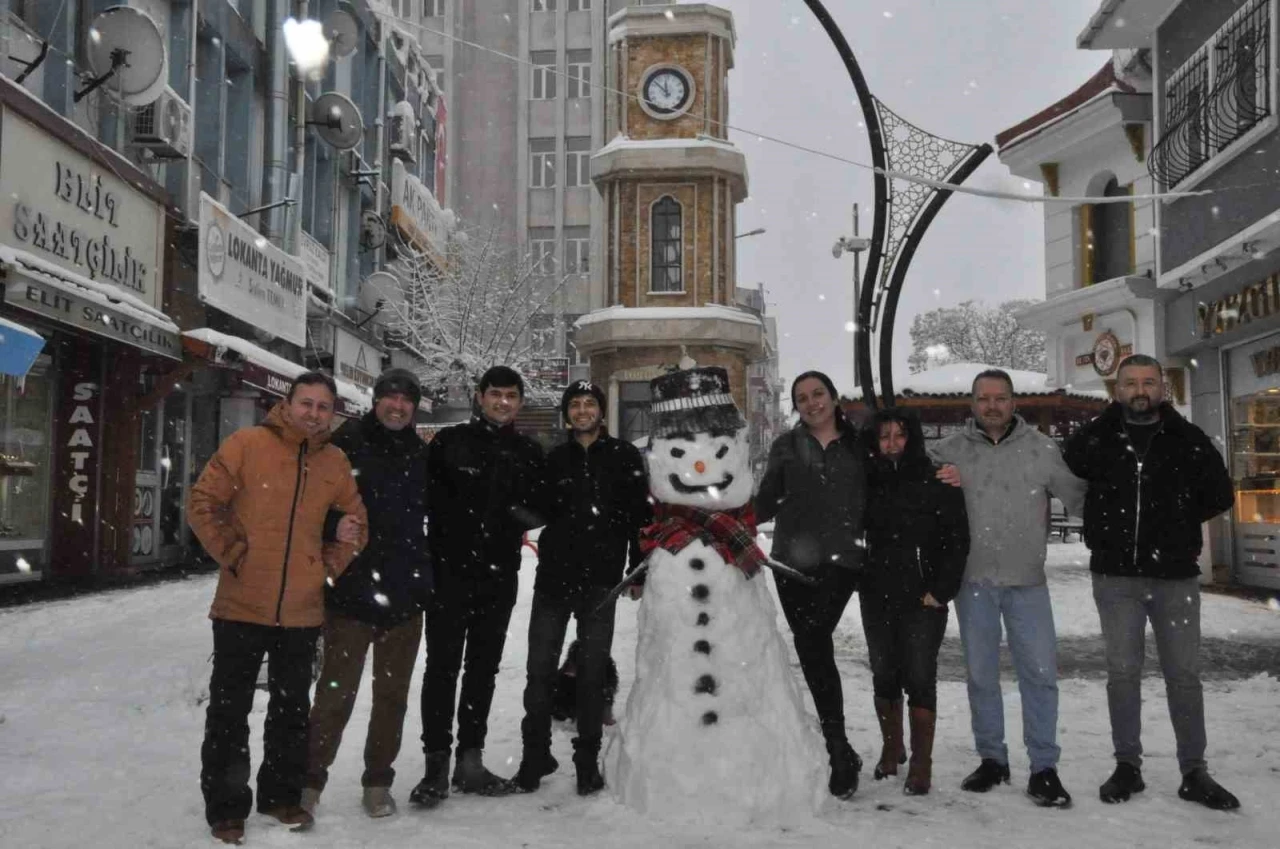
<point>893,752</point>
<point>229,831</point>
<point>920,772</point>
<point>294,815</point>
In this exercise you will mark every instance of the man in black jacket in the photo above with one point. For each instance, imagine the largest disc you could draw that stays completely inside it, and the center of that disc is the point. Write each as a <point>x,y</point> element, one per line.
<point>379,599</point>
<point>484,488</point>
<point>1154,478</point>
<point>917,545</point>
<point>597,494</point>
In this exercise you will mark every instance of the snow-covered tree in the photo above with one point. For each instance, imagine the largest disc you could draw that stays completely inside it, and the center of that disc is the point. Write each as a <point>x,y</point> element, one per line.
<point>973,333</point>
<point>485,304</point>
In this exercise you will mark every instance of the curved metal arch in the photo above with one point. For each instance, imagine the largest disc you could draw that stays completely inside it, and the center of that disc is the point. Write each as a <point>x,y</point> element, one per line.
<point>882,281</point>
<point>880,159</point>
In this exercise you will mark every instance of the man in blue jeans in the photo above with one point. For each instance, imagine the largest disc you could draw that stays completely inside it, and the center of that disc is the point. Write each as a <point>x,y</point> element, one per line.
<point>1009,470</point>
<point>1154,478</point>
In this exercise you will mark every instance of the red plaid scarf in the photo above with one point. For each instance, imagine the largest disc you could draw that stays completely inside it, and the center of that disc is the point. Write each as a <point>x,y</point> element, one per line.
<point>731,533</point>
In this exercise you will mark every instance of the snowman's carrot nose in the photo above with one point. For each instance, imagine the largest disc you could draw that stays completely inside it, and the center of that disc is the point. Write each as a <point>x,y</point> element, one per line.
<point>699,467</point>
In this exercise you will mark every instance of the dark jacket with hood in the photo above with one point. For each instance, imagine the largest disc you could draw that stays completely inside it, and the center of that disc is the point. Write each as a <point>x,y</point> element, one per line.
<point>391,579</point>
<point>484,490</point>
<point>816,498</point>
<point>597,499</point>
<point>1142,515</point>
<point>917,526</point>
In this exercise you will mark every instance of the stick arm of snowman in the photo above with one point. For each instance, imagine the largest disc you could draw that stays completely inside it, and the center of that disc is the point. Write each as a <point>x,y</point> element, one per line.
<point>627,581</point>
<point>787,572</point>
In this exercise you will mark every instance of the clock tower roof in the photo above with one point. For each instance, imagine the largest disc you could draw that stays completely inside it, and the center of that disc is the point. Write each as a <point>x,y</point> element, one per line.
<point>674,20</point>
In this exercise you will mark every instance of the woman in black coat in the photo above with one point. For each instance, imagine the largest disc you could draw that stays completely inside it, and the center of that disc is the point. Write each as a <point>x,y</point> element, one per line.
<point>815,491</point>
<point>917,543</point>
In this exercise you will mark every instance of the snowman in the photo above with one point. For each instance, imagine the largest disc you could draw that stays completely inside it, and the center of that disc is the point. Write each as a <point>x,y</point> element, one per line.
<point>715,728</point>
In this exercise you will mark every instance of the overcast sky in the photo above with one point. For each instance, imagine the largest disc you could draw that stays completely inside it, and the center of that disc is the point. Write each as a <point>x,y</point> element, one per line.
<point>962,69</point>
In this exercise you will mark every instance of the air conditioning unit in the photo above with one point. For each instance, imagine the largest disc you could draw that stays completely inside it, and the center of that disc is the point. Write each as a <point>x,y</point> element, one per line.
<point>402,130</point>
<point>163,126</point>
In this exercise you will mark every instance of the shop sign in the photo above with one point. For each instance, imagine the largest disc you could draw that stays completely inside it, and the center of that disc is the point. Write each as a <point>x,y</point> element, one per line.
<point>354,359</point>
<point>62,305</point>
<point>554,371</point>
<point>315,262</point>
<point>77,454</point>
<point>1257,300</point>
<point>58,205</point>
<point>415,211</point>
<point>244,275</point>
<point>265,379</point>
<point>1106,354</point>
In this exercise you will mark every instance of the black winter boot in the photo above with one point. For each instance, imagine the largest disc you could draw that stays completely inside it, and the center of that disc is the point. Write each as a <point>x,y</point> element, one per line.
<point>586,761</point>
<point>988,774</point>
<point>535,764</point>
<point>1198,786</point>
<point>1046,790</point>
<point>470,776</point>
<point>845,764</point>
<point>434,786</point>
<point>1123,783</point>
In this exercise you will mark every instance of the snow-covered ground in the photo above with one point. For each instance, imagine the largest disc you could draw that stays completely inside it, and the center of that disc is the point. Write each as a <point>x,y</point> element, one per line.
<point>102,707</point>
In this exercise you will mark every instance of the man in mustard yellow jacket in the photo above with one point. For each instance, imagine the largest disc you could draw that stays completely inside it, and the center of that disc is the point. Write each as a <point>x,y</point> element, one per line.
<point>259,509</point>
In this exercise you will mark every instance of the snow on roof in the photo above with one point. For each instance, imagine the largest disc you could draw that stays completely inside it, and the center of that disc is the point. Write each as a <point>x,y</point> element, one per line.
<point>957,379</point>
<point>14,327</point>
<point>107,294</point>
<point>621,142</point>
<point>1101,84</point>
<point>352,394</point>
<point>709,311</point>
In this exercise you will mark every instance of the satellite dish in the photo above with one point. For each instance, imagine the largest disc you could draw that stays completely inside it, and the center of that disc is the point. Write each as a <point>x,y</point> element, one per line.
<point>343,32</point>
<point>373,231</point>
<point>337,120</point>
<point>126,47</point>
<point>379,294</point>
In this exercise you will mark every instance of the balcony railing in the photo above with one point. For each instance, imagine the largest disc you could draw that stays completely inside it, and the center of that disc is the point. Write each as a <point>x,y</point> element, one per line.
<point>1218,96</point>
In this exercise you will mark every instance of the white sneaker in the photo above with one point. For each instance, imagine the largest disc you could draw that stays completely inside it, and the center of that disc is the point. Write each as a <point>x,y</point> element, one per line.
<point>377,802</point>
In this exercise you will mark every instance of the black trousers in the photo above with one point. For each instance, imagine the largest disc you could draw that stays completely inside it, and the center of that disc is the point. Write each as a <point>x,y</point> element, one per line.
<point>466,621</point>
<point>548,622</point>
<point>238,649</point>
<point>903,638</point>
<point>813,613</point>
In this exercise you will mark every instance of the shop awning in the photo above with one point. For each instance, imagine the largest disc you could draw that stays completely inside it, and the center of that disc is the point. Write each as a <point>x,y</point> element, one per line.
<point>19,347</point>
<point>267,371</point>
<point>102,309</point>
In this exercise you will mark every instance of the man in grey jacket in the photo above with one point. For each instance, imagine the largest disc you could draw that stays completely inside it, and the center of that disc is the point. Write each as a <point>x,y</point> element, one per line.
<point>1008,470</point>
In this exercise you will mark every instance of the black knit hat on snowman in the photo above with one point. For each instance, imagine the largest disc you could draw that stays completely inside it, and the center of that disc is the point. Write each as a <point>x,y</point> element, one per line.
<point>581,387</point>
<point>690,401</point>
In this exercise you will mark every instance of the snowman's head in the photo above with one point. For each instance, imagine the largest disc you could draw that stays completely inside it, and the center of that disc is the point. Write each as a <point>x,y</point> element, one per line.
<point>698,453</point>
<point>711,470</point>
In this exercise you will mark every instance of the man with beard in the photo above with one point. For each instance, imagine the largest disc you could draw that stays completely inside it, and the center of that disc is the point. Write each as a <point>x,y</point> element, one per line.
<point>378,601</point>
<point>1009,469</point>
<point>1154,478</point>
<point>597,501</point>
<point>484,485</point>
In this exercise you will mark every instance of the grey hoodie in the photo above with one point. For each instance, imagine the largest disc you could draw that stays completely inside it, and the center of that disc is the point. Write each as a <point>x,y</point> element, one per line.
<point>1006,492</point>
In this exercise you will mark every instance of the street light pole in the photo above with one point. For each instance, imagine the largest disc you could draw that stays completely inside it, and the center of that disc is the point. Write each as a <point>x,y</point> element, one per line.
<point>855,246</point>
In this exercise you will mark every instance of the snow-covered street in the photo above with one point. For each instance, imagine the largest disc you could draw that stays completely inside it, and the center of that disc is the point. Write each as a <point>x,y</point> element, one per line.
<point>102,709</point>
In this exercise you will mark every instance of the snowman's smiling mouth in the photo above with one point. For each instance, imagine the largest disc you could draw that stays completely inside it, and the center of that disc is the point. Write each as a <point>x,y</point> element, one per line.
<point>687,489</point>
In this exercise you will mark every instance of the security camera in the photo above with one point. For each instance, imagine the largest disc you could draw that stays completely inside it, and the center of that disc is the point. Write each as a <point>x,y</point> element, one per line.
<point>837,250</point>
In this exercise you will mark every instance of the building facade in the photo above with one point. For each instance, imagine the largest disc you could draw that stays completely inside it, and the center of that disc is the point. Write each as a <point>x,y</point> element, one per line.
<point>183,257</point>
<point>1206,301</point>
<point>670,182</point>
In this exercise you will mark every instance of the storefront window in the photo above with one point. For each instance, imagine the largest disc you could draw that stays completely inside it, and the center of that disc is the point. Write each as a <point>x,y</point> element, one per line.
<point>173,457</point>
<point>1254,391</point>
<point>26,407</point>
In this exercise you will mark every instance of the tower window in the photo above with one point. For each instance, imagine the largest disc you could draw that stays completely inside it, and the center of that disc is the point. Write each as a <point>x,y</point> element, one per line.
<point>667,250</point>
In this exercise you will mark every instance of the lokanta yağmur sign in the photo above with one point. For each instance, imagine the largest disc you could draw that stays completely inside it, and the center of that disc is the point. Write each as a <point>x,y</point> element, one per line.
<point>244,275</point>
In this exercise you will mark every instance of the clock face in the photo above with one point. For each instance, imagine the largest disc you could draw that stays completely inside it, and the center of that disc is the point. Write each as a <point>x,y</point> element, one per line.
<point>1106,354</point>
<point>667,91</point>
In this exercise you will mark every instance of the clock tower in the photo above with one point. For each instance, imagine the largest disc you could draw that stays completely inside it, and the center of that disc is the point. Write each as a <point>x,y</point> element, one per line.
<point>670,182</point>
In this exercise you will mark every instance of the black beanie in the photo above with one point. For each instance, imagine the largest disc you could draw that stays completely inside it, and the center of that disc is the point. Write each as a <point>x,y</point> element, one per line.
<point>398,380</point>
<point>581,387</point>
